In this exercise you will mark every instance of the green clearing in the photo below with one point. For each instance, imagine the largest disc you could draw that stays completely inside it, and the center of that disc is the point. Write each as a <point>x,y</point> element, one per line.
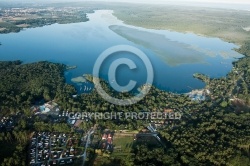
<point>122,144</point>
<point>122,150</point>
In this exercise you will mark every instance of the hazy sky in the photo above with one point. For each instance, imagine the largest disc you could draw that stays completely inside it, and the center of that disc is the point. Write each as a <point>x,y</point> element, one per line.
<point>148,1</point>
<point>199,1</point>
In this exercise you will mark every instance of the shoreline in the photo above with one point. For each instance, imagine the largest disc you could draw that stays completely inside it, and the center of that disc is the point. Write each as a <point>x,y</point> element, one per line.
<point>236,49</point>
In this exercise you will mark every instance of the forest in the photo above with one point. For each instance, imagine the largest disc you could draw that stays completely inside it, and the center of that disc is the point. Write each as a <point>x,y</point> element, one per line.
<point>211,132</point>
<point>23,85</point>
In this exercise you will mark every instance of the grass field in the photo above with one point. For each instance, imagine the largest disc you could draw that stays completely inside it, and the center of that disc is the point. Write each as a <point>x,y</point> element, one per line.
<point>122,143</point>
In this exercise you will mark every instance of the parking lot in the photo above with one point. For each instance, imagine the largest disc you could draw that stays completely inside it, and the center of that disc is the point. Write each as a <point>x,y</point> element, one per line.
<point>54,148</point>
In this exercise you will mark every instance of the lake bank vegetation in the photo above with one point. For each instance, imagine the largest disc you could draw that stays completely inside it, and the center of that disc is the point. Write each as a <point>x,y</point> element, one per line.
<point>222,23</point>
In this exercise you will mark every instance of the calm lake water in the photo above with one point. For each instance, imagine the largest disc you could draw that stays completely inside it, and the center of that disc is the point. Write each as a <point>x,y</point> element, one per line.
<point>175,56</point>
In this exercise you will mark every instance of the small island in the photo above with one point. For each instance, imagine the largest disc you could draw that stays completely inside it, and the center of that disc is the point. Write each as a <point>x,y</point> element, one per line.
<point>71,67</point>
<point>79,79</point>
<point>202,77</point>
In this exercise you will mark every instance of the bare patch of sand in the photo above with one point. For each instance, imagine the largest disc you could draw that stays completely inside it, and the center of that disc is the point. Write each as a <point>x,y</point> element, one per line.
<point>17,18</point>
<point>247,28</point>
<point>79,79</point>
<point>2,29</point>
<point>23,25</point>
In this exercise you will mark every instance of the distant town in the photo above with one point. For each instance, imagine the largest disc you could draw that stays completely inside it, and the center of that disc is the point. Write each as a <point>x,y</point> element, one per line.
<point>16,19</point>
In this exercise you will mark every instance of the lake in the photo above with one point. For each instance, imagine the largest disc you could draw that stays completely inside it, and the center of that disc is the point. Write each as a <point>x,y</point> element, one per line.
<point>175,57</point>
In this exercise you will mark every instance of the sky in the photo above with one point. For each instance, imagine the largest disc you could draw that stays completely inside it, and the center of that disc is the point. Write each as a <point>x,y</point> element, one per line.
<point>197,1</point>
<point>149,1</point>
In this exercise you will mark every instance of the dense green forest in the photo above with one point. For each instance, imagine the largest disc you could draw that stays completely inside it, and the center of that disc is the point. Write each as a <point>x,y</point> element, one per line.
<point>23,84</point>
<point>245,48</point>
<point>211,132</point>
